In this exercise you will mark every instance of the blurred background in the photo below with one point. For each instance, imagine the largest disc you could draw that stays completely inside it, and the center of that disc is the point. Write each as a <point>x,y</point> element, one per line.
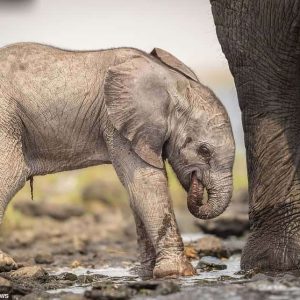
<point>184,28</point>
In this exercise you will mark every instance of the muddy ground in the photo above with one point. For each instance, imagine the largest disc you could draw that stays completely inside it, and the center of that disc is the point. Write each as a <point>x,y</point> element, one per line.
<point>69,251</point>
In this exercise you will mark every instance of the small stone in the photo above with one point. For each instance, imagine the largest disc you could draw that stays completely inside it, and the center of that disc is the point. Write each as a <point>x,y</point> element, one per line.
<point>167,287</point>
<point>190,252</point>
<point>70,276</point>
<point>110,292</point>
<point>45,258</point>
<point>18,240</point>
<point>5,286</point>
<point>90,278</point>
<point>211,246</point>
<point>34,273</point>
<point>226,278</point>
<point>153,287</point>
<point>75,264</point>
<point>209,263</point>
<point>247,274</point>
<point>229,224</point>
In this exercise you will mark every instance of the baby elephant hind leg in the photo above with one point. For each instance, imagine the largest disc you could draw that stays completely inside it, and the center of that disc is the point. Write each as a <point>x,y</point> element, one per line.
<point>13,174</point>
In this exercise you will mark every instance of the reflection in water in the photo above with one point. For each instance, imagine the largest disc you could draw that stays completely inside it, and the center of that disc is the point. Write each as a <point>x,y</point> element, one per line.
<point>110,272</point>
<point>233,266</point>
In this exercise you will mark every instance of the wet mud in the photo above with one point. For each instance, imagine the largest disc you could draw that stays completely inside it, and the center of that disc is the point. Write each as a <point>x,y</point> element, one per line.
<point>91,253</point>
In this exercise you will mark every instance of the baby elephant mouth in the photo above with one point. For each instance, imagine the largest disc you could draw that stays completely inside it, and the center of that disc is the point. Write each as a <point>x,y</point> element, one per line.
<point>218,199</point>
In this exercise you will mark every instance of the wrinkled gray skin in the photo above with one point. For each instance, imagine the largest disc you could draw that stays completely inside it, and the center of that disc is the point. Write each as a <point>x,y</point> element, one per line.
<point>261,42</point>
<point>63,110</point>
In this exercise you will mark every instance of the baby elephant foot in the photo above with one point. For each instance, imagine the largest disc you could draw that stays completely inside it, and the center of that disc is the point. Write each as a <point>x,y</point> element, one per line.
<point>173,267</point>
<point>146,269</point>
<point>145,273</point>
<point>7,263</point>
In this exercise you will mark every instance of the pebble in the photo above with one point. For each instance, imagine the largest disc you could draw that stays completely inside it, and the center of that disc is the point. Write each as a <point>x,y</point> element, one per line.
<point>34,273</point>
<point>75,264</point>
<point>190,252</point>
<point>211,246</point>
<point>45,258</point>
<point>5,285</point>
<point>209,263</point>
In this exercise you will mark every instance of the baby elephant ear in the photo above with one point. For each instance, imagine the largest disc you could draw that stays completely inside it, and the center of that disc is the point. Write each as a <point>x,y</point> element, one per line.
<point>170,60</point>
<point>137,103</point>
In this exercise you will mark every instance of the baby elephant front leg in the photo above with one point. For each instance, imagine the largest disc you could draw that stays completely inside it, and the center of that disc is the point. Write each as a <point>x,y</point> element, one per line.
<point>150,201</point>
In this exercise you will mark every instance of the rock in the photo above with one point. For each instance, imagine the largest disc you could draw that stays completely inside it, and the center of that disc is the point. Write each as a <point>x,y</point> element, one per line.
<point>226,278</point>
<point>211,246</point>
<point>60,212</point>
<point>209,263</point>
<point>83,279</point>
<point>75,264</point>
<point>109,292</point>
<point>68,276</point>
<point>7,263</point>
<point>155,287</point>
<point>37,295</point>
<point>5,286</point>
<point>190,252</point>
<point>225,225</point>
<point>45,258</point>
<point>19,240</point>
<point>233,222</point>
<point>33,273</point>
<point>247,274</point>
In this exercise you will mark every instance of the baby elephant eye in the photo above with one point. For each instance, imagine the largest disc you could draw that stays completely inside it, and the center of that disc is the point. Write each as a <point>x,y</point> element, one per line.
<point>204,151</point>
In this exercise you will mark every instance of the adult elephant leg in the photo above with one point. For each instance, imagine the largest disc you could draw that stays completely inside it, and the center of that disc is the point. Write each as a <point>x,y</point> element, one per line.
<point>146,249</point>
<point>261,42</point>
<point>150,201</point>
<point>12,178</point>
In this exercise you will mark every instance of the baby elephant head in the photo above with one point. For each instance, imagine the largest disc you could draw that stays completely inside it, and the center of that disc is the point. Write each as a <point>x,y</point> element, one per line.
<point>158,104</point>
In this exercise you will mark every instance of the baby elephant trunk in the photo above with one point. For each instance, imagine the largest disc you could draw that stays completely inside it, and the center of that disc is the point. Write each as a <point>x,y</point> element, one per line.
<point>219,195</point>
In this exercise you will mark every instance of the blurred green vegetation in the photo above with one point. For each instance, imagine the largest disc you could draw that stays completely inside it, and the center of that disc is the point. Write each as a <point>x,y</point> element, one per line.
<point>69,186</point>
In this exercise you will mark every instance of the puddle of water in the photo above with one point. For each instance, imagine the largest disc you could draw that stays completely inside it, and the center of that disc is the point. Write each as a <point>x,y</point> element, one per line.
<point>118,275</point>
<point>78,290</point>
<point>106,271</point>
<point>233,266</point>
<point>121,275</point>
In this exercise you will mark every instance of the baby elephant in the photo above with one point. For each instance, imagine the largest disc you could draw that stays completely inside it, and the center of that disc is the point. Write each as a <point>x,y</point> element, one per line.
<point>64,110</point>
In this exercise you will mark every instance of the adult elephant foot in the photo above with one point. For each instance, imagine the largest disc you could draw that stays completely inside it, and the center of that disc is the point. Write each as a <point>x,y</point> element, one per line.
<point>173,267</point>
<point>276,248</point>
<point>264,253</point>
<point>7,263</point>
